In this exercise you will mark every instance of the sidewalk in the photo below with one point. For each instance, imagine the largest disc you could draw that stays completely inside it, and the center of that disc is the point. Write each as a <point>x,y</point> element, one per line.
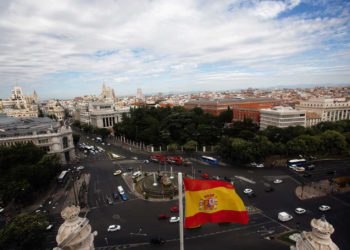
<point>313,190</point>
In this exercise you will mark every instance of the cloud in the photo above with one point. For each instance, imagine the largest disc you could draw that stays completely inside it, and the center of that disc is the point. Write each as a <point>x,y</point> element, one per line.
<point>158,42</point>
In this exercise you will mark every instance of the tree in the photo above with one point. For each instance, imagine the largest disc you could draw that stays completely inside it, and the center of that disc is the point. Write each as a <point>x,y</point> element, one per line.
<point>77,124</point>
<point>333,142</point>
<point>190,145</point>
<point>26,231</point>
<point>173,147</point>
<point>225,116</point>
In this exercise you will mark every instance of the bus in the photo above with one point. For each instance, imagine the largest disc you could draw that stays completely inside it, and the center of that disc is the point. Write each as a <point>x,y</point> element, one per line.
<point>177,160</point>
<point>62,177</point>
<point>297,163</point>
<point>210,160</point>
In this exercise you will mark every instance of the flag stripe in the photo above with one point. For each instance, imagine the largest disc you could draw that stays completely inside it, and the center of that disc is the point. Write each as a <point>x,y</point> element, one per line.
<point>227,199</point>
<point>220,216</point>
<point>196,185</point>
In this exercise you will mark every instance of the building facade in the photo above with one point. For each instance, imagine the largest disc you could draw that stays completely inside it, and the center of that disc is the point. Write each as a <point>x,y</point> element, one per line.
<point>43,132</point>
<point>281,117</point>
<point>334,109</point>
<point>215,107</point>
<point>53,108</point>
<point>20,105</point>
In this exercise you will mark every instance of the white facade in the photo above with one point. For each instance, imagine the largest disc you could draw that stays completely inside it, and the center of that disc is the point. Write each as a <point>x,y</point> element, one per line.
<point>281,117</point>
<point>328,109</point>
<point>54,108</point>
<point>43,132</point>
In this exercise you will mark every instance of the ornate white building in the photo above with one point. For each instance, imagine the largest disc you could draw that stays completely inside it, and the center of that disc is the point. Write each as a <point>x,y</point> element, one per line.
<point>75,232</point>
<point>53,108</point>
<point>318,239</point>
<point>43,132</point>
<point>108,94</point>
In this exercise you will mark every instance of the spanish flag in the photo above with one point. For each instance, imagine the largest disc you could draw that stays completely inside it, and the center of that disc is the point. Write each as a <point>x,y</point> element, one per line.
<point>212,201</point>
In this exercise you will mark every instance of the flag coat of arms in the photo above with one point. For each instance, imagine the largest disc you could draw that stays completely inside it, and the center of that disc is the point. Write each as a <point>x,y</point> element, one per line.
<point>212,201</point>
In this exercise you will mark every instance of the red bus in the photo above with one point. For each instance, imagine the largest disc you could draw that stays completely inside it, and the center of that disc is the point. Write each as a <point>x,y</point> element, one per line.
<point>158,158</point>
<point>177,160</point>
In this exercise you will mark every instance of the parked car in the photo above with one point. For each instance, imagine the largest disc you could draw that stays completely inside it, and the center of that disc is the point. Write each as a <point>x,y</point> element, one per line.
<point>260,165</point>
<point>284,216</point>
<point>174,209</point>
<point>300,210</point>
<point>157,240</point>
<point>117,172</point>
<point>324,208</point>
<point>163,217</point>
<point>277,181</point>
<point>205,176</point>
<point>174,219</point>
<point>248,190</point>
<point>124,197</point>
<point>113,228</point>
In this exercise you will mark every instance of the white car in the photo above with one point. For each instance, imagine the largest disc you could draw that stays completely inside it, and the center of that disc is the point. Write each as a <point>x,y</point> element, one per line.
<point>117,172</point>
<point>284,216</point>
<point>134,158</point>
<point>248,191</point>
<point>260,165</point>
<point>49,227</point>
<point>113,228</point>
<point>300,210</point>
<point>324,208</point>
<point>108,144</point>
<point>80,168</point>
<point>174,219</point>
<point>1,209</point>
<point>277,181</point>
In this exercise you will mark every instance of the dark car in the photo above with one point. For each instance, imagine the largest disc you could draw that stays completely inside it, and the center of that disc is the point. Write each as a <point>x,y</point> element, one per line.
<point>116,196</point>
<point>269,189</point>
<point>227,179</point>
<point>163,217</point>
<point>157,240</point>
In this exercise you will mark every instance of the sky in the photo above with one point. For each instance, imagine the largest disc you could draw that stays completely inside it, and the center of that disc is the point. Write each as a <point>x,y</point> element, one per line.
<point>69,48</point>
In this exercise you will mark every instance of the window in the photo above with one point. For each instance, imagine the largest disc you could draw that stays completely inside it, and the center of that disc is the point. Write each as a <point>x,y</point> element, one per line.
<point>46,148</point>
<point>43,141</point>
<point>65,142</point>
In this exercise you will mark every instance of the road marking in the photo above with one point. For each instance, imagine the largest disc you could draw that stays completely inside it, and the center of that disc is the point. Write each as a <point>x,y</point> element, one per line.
<point>245,179</point>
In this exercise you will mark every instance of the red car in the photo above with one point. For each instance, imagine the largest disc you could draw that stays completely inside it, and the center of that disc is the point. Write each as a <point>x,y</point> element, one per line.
<point>205,176</point>
<point>174,209</point>
<point>163,217</point>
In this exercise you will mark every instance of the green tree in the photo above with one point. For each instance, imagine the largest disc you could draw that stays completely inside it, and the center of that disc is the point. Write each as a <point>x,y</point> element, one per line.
<point>190,145</point>
<point>26,231</point>
<point>333,142</point>
<point>173,147</point>
<point>225,116</point>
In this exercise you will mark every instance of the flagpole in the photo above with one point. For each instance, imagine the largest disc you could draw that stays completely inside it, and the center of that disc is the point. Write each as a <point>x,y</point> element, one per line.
<point>181,211</point>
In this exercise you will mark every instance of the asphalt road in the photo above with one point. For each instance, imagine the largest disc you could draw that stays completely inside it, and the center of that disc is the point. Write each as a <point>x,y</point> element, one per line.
<point>138,218</point>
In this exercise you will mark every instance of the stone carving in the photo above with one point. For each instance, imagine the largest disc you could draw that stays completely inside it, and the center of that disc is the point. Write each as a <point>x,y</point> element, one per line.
<point>319,238</point>
<point>75,232</point>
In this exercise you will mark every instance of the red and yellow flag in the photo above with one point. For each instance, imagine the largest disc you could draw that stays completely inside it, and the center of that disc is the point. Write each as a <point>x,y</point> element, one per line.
<point>212,201</point>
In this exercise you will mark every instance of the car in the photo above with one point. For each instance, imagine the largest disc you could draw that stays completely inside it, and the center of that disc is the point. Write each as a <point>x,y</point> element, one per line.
<point>124,197</point>
<point>174,209</point>
<point>299,210</point>
<point>260,165</point>
<point>134,158</point>
<point>253,164</point>
<point>1,209</point>
<point>324,208</point>
<point>145,161</point>
<point>187,163</point>
<point>174,219</point>
<point>311,167</point>
<point>49,227</point>
<point>117,172</point>
<point>157,240</point>
<point>277,181</point>
<point>227,179</point>
<point>248,191</point>
<point>136,174</point>
<point>215,177</point>
<point>80,168</point>
<point>103,143</point>
<point>269,189</point>
<point>205,176</point>
<point>163,217</point>
<point>130,169</point>
<point>113,228</point>
<point>284,216</point>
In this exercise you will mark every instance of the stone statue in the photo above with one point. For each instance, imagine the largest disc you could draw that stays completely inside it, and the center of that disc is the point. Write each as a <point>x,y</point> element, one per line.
<point>319,238</point>
<point>75,232</point>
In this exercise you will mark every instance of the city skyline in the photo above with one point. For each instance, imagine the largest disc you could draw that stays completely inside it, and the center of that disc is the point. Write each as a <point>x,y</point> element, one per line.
<point>181,46</point>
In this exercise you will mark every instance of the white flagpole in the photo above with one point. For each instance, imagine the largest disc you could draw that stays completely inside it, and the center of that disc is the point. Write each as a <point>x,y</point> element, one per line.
<point>181,211</point>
